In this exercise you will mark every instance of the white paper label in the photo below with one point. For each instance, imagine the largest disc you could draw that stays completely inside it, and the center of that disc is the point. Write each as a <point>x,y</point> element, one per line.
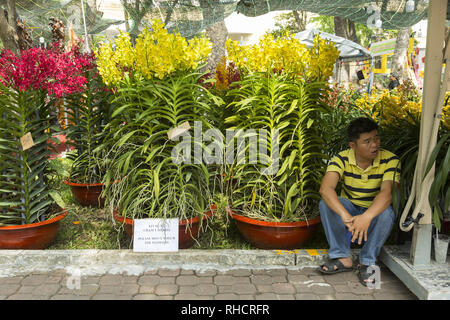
<point>155,235</point>
<point>27,141</point>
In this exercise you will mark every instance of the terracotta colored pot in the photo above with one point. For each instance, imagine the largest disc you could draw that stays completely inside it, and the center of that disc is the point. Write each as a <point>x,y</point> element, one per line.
<point>186,237</point>
<point>275,235</point>
<point>59,148</point>
<point>87,194</point>
<point>37,235</point>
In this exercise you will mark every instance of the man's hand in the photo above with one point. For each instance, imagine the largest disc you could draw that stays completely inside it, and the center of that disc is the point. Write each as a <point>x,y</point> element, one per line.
<point>360,227</point>
<point>348,220</point>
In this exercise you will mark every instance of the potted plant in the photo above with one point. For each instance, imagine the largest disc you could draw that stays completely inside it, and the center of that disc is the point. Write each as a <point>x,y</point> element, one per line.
<point>29,217</point>
<point>219,83</point>
<point>275,202</point>
<point>87,113</point>
<point>155,95</point>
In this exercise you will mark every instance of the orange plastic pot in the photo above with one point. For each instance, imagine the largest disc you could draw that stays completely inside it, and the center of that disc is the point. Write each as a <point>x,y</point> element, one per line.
<point>186,236</point>
<point>37,235</point>
<point>275,235</point>
<point>87,194</point>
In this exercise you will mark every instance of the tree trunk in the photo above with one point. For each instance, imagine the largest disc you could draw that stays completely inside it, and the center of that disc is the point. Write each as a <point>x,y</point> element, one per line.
<point>340,27</point>
<point>126,17</point>
<point>401,48</point>
<point>8,27</point>
<point>340,30</point>
<point>218,34</point>
<point>136,12</point>
<point>345,28</point>
<point>352,32</point>
<point>301,19</point>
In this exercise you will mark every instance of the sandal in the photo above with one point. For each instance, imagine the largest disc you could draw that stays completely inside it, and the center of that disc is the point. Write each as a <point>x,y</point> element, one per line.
<point>334,263</point>
<point>365,277</point>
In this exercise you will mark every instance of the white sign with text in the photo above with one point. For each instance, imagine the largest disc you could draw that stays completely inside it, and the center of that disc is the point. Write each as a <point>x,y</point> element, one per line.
<point>155,235</point>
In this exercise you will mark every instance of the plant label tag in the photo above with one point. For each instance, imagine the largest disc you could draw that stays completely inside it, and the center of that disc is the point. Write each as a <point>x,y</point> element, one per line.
<point>27,141</point>
<point>178,131</point>
<point>155,235</point>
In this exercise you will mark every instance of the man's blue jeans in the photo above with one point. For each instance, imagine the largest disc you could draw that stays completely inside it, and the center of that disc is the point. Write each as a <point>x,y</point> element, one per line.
<point>335,230</point>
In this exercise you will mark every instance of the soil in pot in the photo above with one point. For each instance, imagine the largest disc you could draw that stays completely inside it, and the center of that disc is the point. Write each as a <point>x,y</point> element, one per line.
<point>87,194</point>
<point>275,235</point>
<point>37,235</point>
<point>186,236</point>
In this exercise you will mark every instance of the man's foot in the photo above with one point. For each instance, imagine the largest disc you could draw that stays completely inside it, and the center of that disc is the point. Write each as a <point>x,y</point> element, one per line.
<point>365,277</point>
<point>337,265</point>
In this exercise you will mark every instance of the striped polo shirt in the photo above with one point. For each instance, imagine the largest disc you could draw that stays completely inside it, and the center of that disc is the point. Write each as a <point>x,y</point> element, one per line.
<point>361,186</point>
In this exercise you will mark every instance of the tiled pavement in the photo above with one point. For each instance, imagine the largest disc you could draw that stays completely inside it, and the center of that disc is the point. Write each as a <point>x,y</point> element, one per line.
<point>288,283</point>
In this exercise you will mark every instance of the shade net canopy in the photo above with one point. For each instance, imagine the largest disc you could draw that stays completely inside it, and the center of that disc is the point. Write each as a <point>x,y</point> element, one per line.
<point>36,16</point>
<point>348,50</point>
<point>189,17</point>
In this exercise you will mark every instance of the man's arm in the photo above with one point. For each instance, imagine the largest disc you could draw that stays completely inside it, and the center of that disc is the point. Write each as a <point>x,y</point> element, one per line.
<point>382,200</point>
<point>380,203</point>
<point>330,197</point>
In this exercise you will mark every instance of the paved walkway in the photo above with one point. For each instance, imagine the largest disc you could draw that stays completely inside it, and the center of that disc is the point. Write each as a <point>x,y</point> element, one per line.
<point>274,283</point>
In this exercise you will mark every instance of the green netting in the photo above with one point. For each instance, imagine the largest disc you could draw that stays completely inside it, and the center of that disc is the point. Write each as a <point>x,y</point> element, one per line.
<point>36,15</point>
<point>392,12</point>
<point>190,17</point>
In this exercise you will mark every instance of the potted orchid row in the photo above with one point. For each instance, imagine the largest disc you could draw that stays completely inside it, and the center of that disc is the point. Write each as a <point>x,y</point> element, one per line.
<point>135,111</point>
<point>160,86</point>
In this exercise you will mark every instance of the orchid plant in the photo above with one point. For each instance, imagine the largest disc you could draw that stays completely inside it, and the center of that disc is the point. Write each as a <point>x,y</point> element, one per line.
<point>157,87</point>
<point>88,112</point>
<point>29,82</point>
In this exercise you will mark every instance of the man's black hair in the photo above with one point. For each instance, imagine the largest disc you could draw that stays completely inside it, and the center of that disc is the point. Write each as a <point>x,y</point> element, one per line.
<point>358,126</point>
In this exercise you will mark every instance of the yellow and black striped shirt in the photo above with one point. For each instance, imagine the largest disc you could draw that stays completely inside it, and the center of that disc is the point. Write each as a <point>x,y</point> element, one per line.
<point>361,186</point>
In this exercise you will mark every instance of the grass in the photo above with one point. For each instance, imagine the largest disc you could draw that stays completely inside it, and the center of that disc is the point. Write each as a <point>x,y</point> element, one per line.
<point>92,228</point>
<point>89,228</point>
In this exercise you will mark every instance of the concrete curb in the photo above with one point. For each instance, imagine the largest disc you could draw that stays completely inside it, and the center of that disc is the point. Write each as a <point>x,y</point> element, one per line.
<point>91,262</point>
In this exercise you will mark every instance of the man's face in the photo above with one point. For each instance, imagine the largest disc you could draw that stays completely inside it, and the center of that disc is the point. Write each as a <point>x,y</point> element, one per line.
<point>367,146</point>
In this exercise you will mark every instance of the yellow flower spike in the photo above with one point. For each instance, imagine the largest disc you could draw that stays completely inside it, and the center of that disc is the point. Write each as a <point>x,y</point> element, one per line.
<point>157,53</point>
<point>390,107</point>
<point>285,53</point>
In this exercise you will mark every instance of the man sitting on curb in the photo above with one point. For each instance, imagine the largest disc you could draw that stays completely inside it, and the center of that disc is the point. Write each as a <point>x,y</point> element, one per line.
<point>363,211</point>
